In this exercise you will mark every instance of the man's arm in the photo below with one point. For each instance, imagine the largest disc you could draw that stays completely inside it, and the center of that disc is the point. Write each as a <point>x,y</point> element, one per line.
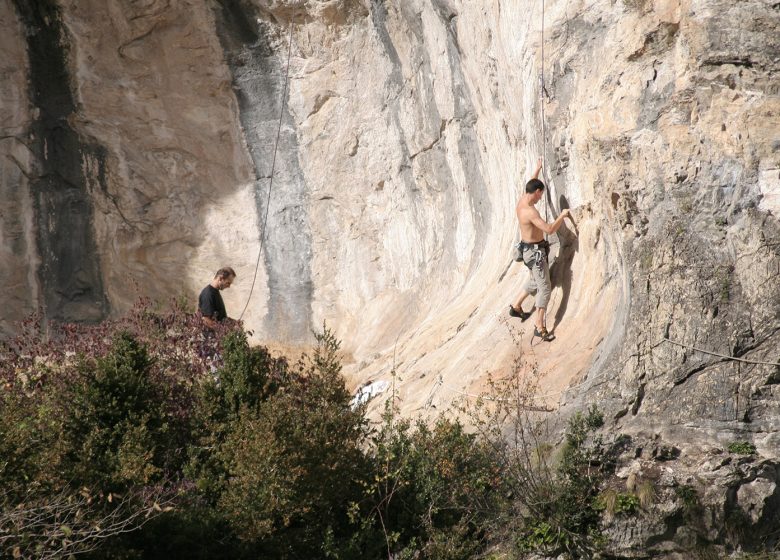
<point>549,229</point>
<point>538,169</point>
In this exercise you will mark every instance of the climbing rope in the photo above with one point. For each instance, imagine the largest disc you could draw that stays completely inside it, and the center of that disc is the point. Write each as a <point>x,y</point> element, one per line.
<point>273,168</point>
<point>541,104</point>
<point>734,358</point>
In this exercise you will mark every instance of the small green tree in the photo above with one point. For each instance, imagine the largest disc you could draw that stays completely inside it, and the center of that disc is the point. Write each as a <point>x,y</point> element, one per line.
<point>553,486</point>
<point>437,490</point>
<point>70,444</point>
<point>248,377</point>
<point>295,464</point>
<point>114,429</point>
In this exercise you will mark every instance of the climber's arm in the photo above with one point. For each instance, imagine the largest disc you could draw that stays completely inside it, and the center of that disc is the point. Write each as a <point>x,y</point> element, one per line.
<point>538,169</point>
<point>549,229</point>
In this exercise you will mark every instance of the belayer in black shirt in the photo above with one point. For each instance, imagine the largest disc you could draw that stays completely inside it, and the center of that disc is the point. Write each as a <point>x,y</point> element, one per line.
<point>210,303</point>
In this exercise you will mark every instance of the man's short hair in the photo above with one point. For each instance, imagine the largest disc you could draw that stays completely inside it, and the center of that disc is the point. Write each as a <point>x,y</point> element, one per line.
<point>225,272</point>
<point>534,185</point>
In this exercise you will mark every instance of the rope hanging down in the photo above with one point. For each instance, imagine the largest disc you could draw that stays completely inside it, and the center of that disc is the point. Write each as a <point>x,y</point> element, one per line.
<point>541,105</point>
<point>273,168</point>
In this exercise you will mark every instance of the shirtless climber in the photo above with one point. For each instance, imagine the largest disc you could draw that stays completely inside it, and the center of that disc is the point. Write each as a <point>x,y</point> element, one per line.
<point>210,303</point>
<point>534,249</point>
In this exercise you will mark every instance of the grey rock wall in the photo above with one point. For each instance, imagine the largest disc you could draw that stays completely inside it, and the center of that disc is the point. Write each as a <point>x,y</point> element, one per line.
<point>260,82</point>
<point>686,184</point>
<point>18,252</point>
<point>69,273</point>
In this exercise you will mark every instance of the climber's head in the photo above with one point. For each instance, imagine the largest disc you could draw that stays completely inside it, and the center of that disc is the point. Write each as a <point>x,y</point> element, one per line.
<point>534,185</point>
<point>535,188</point>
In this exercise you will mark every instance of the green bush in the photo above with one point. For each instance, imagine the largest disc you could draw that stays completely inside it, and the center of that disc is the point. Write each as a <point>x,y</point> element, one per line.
<point>29,443</point>
<point>742,448</point>
<point>114,427</point>
<point>296,465</point>
<point>688,495</point>
<point>557,500</point>
<point>86,411</point>
<point>438,489</point>
<point>627,503</point>
<point>247,377</point>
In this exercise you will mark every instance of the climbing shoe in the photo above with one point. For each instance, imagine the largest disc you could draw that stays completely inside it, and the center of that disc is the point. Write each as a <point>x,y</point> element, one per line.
<point>515,313</point>
<point>543,334</point>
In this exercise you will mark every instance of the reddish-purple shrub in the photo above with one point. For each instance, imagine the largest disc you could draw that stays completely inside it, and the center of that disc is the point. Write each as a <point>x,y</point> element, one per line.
<point>182,350</point>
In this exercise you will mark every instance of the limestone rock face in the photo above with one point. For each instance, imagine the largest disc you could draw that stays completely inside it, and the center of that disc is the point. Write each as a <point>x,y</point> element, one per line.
<point>691,139</point>
<point>18,253</point>
<point>138,143</point>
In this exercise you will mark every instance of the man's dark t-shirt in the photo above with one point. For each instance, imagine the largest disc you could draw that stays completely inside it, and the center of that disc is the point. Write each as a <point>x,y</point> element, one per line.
<point>210,303</point>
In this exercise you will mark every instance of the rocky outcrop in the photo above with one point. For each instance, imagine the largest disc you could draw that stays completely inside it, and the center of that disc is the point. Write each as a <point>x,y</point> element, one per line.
<point>685,184</point>
<point>138,142</point>
<point>700,499</point>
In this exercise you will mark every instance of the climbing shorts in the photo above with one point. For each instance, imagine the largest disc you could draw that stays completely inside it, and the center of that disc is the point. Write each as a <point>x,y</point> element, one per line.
<point>535,258</point>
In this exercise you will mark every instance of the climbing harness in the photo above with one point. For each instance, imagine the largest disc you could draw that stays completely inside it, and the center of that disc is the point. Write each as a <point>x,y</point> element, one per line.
<point>541,251</point>
<point>273,168</point>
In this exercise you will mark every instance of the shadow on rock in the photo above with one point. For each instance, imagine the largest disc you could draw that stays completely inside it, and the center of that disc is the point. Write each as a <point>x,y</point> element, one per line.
<point>560,271</point>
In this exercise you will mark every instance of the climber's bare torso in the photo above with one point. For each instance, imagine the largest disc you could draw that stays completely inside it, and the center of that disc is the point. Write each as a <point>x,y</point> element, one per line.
<point>527,214</point>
